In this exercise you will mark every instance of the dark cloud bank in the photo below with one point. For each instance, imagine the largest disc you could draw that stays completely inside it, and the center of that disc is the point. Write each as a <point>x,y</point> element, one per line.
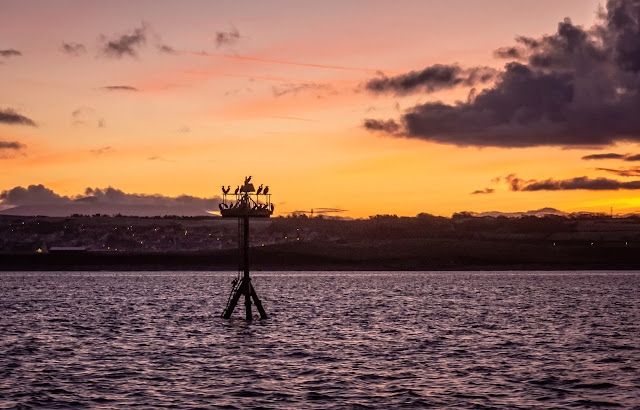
<point>39,200</point>
<point>577,87</point>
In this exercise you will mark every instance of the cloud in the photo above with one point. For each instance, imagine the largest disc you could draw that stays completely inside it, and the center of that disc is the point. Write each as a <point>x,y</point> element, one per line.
<point>483,191</point>
<point>74,49</point>
<point>117,196</point>
<point>32,195</point>
<point>126,44</point>
<point>433,78</point>
<point>159,158</point>
<point>224,38</point>
<point>604,156</point>
<point>11,145</point>
<point>579,183</point>
<point>507,53</point>
<point>102,150</point>
<point>10,53</point>
<point>295,88</point>
<point>577,87</point>
<point>625,157</point>
<point>120,88</point>
<point>388,126</point>
<point>111,199</point>
<point>9,116</point>
<point>86,115</point>
<point>166,49</point>
<point>628,172</point>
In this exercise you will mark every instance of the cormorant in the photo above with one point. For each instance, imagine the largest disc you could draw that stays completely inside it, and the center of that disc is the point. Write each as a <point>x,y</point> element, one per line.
<point>266,190</point>
<point>259,190</point>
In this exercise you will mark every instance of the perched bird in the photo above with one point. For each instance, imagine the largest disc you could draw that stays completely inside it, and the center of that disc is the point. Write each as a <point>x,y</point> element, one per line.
<point>226,191</point>
<point>266,190</point>
<point>259,190</point>
<point>236,191</point>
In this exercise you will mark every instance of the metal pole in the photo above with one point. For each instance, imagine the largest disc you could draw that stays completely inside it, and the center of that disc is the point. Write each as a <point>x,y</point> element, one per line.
<point>246,279</point>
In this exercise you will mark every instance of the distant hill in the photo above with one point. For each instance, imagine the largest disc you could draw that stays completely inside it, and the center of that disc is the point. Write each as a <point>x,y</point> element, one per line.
<point>537,212</point>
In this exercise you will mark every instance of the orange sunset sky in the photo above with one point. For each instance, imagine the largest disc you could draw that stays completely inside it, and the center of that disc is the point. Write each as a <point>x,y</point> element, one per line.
<point>172,98</point>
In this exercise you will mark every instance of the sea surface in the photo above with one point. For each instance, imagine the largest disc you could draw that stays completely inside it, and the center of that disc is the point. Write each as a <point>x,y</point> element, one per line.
<point>383,340</point>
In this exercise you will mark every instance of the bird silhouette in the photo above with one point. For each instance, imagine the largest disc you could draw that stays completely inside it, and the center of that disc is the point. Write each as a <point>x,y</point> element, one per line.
<point>226,191</point>
<point>259,190</point>
<point>266,190</point>
<point>236,191</point>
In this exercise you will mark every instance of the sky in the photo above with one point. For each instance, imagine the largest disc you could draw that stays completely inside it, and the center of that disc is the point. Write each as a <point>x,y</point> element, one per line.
<point>370,107</point>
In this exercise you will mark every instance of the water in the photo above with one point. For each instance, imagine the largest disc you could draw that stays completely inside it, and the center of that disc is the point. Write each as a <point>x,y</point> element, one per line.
<point>333,340</point>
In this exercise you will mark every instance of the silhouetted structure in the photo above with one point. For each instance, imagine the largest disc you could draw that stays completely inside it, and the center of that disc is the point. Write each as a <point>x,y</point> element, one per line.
<point>246,203</point>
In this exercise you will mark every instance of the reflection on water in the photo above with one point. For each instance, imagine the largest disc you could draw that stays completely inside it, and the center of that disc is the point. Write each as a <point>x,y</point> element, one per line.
<point>332,340</point>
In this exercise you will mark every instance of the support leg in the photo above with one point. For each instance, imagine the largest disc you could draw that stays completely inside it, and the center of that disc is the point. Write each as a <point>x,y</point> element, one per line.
<point>254,295</point>
<point>232,304</point>
<point>247,298</point>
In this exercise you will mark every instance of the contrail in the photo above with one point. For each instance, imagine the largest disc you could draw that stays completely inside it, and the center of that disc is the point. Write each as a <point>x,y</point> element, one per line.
<point>263,60</point>
<point>202,73</point>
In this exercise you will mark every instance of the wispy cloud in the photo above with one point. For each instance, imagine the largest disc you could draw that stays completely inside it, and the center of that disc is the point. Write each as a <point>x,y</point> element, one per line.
<point>73,49</point>
<point>610,155</point>
<point>159,158</point>
<point>623,172</point>
<point>166,49</point>
<point>225,38</point>
<point>125,45</point>
<point>102,150</point>
<point>86,116</point>
<point>10,116</point>
<point>431,79</point>
<point>483,191</point>
<point>10,52</point>
<point>295,88</point>
<point>11,146</point>
<point>120,88</point>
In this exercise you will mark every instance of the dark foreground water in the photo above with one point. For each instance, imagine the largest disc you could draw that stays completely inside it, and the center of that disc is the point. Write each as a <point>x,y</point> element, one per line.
<point>333,340</point>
